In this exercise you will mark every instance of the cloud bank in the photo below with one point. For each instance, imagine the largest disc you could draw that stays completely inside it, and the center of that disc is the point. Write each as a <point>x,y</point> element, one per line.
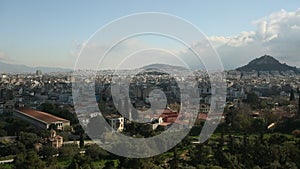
<point>277,34</point>
<point>4,57</point>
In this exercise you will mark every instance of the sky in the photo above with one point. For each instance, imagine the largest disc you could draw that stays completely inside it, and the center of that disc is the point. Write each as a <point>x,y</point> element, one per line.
<point>50,33</point>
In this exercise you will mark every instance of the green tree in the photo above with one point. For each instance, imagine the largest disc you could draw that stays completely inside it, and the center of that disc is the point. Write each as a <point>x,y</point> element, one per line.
<point>135,163</point>
<point>19,160</point>
<point>298,112</point>
<point>28,139</point>
<point>232,161</point>
<point>16,148</point>
<point>15,126</point>
<point>68,151</point>
<point>174,163</point>
<point>33,161</point>
<point>200,154</point>
<point>48,151</point>
<point>54,109</point>
<point>292,95</point>
<point>95,152</point>
<point>239,119</point>
<point>80,162</point>
<point>252,98</point>
<point>81,141</point>
<point>111,164</point>
<point>259,126</point>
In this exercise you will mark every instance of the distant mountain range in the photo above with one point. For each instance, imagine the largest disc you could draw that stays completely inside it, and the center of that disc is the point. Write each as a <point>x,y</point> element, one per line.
<point>14,68</point>
<point>264,63</point>
<point>267,63</point>
<point>164,66</point>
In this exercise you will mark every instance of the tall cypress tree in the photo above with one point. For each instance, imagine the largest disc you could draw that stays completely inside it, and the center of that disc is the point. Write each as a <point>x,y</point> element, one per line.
<point>292,95</point>
<point>298,106</point>
<point>81,141</point>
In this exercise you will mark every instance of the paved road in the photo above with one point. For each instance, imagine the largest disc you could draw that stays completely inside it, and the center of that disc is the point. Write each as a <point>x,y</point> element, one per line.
<point>8,138</point>
<point>6,161</point>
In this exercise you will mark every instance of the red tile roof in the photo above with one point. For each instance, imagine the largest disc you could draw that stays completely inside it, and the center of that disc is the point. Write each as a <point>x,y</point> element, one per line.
<point>202,116</point>
<point>48,118</point>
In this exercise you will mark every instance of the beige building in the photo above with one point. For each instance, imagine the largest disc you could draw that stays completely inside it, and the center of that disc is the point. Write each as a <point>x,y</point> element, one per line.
<point>56,140</point>
<point>41,119</point>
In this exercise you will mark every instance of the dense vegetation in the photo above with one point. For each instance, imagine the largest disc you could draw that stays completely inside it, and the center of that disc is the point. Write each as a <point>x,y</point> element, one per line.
<point>241,141</point>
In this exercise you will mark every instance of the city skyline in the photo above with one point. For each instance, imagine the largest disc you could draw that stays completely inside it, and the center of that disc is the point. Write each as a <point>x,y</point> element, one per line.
<point>149,84</point>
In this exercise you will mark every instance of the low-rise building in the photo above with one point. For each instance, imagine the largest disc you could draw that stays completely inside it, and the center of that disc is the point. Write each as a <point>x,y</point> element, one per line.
<point>41,119</point>
<point>116,123</point>
<point>55,140</point>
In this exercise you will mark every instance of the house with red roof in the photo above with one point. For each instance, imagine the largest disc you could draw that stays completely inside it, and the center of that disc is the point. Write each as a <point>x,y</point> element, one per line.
<point>41,119</point>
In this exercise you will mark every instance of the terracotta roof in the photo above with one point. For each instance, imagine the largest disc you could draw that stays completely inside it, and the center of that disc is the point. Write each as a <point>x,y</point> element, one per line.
<point>166,111</point>
<point>48,118</point>
<point>202,116</point>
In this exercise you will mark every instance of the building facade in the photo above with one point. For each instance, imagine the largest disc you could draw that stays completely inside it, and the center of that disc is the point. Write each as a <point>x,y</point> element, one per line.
<point>41,119</point>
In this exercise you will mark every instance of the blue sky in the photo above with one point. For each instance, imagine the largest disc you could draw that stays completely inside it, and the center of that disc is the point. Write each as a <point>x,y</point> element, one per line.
<point>42,33</point>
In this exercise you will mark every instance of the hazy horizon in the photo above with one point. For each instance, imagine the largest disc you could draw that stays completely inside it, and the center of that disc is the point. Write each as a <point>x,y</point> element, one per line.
<point>46,35</point>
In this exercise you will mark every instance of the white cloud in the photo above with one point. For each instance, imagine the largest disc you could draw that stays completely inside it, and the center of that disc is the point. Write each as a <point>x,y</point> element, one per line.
<point>4,57</point>
<point>130,53</point>
<point>76,47</point>
<point>277,34</point>
<point>92,52</point>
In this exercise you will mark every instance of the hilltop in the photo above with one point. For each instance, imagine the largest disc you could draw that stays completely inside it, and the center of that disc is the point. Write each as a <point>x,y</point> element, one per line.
<point>267,63</point>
